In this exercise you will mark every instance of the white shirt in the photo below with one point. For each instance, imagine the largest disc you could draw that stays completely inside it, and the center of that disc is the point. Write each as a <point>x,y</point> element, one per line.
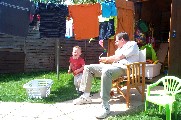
<point>130,50</point>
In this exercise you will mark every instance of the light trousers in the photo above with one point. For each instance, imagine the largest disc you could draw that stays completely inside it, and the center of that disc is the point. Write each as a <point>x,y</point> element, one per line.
<point>107,72</point>
<point>77,80</point>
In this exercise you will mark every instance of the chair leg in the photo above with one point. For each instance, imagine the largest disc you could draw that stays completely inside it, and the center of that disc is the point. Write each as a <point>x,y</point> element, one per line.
<point>168,113</point>
<point>146,105</point>
<point>143,93</point>
<point>127,97</point>
<point>175,109</point>
<point>160,108</point>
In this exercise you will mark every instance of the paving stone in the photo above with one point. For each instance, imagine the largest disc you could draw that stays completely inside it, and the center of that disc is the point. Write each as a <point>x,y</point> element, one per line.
<point>68,111</point>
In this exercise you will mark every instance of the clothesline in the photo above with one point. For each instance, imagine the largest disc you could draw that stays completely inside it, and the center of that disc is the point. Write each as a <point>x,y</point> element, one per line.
<point>14,6</point>
<point>67,2</point>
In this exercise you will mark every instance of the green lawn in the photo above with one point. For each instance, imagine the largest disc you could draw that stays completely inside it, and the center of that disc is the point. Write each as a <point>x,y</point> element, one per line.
<point>11,89</point>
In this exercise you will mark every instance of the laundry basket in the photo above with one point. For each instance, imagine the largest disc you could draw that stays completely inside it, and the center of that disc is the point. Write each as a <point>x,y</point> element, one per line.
<point>38,88</point>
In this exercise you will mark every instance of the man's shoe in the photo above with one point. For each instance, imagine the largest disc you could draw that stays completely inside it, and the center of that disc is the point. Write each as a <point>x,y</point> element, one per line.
<point>82,100</point>
<point>104,112</point>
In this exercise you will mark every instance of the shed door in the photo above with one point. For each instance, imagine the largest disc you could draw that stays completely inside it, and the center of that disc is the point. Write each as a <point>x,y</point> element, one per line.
<point>175,40</point>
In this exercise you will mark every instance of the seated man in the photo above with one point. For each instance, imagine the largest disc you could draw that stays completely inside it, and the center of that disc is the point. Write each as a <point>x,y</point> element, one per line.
<point>127,52</point>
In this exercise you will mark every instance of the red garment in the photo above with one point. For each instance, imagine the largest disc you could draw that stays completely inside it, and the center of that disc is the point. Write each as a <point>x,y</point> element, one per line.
<point>85,20</point>
<point>76,64</point>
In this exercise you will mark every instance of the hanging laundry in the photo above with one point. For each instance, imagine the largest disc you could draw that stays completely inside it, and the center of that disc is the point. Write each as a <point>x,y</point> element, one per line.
<point>52,20</point>
<point>69,28</point>
<point>125,19</point>
<point>15,16</point>
<point>85,20</point>
<point>35,19</point>
<point>106,29</point>
<point>101,43</point>
<point>109,9</point>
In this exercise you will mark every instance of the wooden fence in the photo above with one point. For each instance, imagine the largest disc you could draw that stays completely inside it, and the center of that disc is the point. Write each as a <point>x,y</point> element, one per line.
<point>18,54</point>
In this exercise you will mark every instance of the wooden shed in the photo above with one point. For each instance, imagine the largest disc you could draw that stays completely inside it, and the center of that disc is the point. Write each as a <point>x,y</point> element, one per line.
<point>164,17</point>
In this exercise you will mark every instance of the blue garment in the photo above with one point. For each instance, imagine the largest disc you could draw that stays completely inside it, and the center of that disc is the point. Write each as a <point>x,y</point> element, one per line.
<point>106,29</point>
<point>108,9</point>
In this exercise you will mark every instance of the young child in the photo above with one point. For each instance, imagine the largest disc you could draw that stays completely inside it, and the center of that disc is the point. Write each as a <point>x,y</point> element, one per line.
<point>76,66</point>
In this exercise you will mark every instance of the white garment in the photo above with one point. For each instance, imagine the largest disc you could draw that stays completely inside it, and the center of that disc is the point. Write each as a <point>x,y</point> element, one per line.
<point>130,50</point>
<point>69,28</point>
<point>77,80</point>
<point>102,19</point>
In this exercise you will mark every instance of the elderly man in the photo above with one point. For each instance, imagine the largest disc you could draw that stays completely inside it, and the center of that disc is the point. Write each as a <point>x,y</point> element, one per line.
<point>127,52</point>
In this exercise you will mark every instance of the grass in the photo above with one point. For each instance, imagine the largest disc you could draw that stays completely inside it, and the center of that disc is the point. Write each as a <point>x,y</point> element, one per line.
<point>11,89</point>
<point>151,114</point>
